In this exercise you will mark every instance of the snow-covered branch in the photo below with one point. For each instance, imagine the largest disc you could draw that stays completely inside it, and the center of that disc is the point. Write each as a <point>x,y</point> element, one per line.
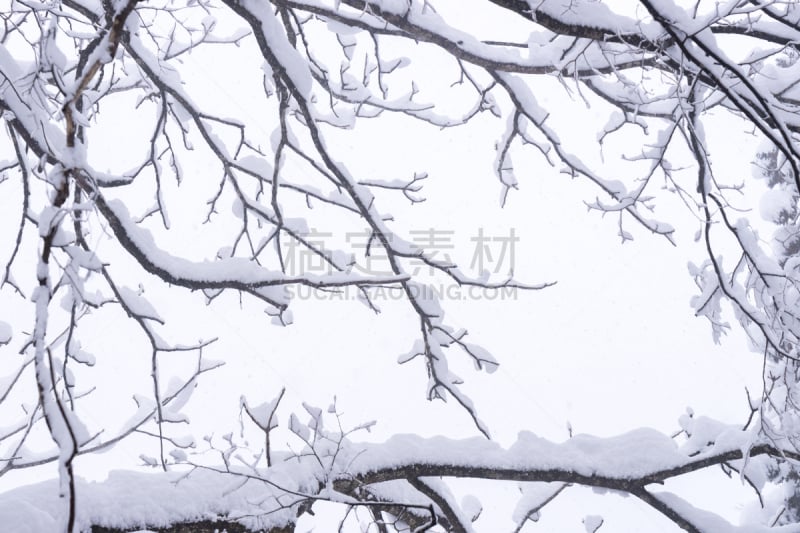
<point>204,148</point>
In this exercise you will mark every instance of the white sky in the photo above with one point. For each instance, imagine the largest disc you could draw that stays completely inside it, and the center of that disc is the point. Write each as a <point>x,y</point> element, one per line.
<point>612,347</point>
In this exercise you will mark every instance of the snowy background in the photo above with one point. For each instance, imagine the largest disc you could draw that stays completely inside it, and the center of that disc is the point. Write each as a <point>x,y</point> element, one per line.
<point>611,347</point>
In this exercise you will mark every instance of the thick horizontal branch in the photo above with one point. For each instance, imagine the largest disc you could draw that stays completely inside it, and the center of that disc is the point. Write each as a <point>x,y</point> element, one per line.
<point>626,463</point>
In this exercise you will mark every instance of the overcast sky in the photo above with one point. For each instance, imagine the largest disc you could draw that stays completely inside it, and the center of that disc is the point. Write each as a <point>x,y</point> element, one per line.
<point>611,347</point>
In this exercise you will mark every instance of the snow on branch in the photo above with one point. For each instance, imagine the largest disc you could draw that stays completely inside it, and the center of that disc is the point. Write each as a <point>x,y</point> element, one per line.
<point>333,468</point>
<point>263,177</point>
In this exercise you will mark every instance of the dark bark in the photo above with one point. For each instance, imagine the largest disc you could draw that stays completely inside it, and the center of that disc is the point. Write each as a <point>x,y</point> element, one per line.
<point>204,526</point>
